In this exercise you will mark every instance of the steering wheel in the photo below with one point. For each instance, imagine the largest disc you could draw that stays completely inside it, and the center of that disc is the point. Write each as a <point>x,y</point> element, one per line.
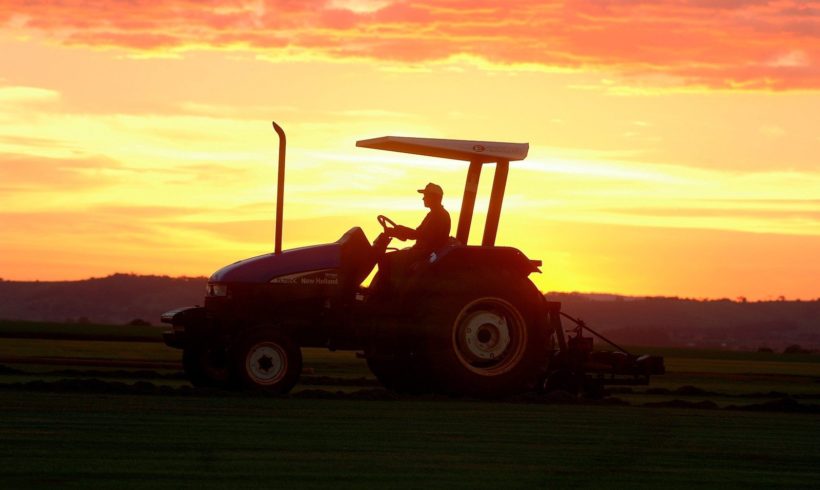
<point>385,221</point>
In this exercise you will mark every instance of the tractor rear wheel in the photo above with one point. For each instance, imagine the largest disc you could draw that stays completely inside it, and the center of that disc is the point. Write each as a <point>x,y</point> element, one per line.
<point>267,361</point>
<point>205,367</point>
<point>489,342</point>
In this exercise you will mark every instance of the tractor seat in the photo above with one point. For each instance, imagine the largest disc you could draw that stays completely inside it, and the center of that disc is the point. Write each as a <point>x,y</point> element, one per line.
<point>356,257</point>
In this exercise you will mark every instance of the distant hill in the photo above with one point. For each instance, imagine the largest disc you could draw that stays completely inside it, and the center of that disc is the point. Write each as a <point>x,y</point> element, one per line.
<point>122,298</point>
<point>680,322</point>
<point>117,299</point>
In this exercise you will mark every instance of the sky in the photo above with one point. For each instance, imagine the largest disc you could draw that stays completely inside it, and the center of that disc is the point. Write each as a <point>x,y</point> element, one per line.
<point>674,145</point>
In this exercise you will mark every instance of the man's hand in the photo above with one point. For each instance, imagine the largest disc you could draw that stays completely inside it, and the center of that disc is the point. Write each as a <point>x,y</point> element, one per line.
<point>402,232</point>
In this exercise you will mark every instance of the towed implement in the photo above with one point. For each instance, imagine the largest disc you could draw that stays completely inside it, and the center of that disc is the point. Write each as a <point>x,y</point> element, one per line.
<point>465,319</point>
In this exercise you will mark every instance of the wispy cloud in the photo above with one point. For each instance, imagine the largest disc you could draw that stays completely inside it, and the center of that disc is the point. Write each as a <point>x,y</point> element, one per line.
<point>27,95</point>
<point>709,43</point>
<point>23,173</point>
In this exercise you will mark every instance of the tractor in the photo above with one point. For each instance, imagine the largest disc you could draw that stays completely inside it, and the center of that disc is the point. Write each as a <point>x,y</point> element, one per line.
<point>463,320</point>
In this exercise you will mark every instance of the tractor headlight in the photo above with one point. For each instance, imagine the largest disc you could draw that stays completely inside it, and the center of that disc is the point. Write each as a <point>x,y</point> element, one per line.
<point>216,289</point>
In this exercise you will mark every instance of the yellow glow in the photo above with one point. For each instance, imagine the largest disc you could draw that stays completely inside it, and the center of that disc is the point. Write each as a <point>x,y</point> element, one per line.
<point>109,163</point>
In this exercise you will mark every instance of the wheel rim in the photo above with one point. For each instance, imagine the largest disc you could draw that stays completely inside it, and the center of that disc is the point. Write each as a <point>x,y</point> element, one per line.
<point>489,336</point>
<point>266,363</point>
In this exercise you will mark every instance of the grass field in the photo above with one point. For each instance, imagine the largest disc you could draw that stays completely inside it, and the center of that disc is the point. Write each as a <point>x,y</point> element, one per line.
<point>79,435</point>
<point>77,441</point>
<point>80,331</point>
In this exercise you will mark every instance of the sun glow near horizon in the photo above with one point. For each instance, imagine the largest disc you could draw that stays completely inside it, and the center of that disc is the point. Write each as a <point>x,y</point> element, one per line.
<point>139,147</point>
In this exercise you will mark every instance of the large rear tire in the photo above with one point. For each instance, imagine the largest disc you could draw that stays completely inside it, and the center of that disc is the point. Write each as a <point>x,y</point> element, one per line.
<point>490,341</point>
<point>267,361</point>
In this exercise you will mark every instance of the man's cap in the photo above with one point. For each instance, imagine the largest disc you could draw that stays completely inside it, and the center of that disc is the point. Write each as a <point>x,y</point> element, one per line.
<point>433,189</point>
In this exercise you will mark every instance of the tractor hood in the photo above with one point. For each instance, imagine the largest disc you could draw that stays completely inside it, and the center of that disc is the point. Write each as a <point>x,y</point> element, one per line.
<point>351,256</point>
<point>264,268</point>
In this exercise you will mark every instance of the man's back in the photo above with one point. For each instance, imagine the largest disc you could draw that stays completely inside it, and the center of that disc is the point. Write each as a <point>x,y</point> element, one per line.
<point>434,230</point>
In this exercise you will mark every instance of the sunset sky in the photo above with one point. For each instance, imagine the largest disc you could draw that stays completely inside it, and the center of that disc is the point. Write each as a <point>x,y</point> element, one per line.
<point>674,145</point>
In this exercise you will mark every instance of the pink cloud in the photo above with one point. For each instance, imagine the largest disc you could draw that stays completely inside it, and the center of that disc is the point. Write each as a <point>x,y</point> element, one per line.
<point>716,43</point>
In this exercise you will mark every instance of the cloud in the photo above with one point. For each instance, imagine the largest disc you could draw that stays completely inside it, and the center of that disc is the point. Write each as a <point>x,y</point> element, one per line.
<point>762,214</point>
<point>81,222</point>
<point>27,142</point>
<point>27,95</point>
<point>772,45</point>
<point>261,231</point>
<point>24,173</point>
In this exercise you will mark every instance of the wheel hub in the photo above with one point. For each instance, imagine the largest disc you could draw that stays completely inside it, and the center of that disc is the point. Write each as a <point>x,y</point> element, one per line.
<point>486,335</point>
<point>489,336</point>
<point>266,363</point>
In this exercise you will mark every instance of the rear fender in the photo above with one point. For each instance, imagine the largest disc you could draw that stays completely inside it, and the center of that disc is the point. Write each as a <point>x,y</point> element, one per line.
<point>459,270</point>
<point>463,258</point>
<point>458,267</point>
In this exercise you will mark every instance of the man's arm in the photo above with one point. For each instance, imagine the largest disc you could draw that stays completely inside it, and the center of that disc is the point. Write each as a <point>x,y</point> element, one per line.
<point>404,233</point>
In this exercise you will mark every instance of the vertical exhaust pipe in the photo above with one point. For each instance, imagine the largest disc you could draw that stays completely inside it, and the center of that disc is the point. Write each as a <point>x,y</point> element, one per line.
<point>280,188</point>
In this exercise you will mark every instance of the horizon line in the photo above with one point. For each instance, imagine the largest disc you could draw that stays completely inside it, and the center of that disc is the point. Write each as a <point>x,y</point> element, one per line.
<point>737,299</point>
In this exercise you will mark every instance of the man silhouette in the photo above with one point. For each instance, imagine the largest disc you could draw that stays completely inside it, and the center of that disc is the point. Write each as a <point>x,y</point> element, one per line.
<point>432,234</point>
<point>434,230</point>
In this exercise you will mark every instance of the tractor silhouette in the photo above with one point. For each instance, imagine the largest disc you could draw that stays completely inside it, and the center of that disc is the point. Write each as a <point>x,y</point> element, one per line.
<point>463,320</point>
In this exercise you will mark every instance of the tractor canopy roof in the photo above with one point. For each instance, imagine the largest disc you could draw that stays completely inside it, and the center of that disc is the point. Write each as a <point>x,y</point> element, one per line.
<point>470,151</point>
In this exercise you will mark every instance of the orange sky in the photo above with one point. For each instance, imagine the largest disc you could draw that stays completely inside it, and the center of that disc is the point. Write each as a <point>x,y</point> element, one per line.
<point>674,146</point>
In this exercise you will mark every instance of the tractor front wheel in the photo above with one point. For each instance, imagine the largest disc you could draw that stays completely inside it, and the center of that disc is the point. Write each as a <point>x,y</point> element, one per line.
<point>268,361</point>
<point>205,367</point>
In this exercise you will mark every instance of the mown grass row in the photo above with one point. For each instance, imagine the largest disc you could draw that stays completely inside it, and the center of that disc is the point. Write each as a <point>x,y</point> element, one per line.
<point>65,440</point>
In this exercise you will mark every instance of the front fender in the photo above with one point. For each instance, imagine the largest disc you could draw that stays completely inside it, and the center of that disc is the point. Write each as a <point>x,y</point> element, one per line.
<point>183,321</point>
<point>185,316</point>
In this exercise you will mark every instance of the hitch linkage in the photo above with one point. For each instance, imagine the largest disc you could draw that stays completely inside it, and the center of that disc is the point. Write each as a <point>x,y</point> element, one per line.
<point>577,366</point>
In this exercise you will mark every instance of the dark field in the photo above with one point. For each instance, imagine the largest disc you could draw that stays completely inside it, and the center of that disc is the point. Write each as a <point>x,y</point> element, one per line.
<point>118,414</point>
